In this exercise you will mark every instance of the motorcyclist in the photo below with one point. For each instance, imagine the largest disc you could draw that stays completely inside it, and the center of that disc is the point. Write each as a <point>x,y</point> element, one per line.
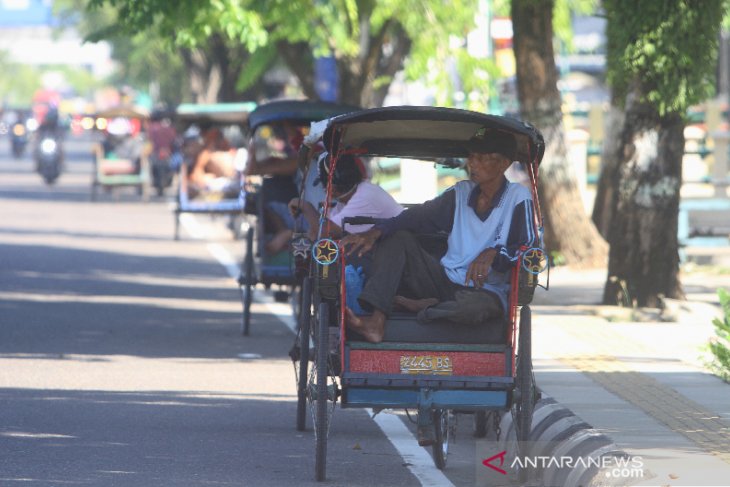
<point>166,156</point>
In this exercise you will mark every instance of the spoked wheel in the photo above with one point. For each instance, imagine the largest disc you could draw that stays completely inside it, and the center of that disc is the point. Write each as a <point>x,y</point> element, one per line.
<point>246,285</point>
<point>322,389</point>
<point>524,404</point>
<point>177,226</point>
<point>303,336</point>
<point>480,424</point>
<point>442,422</point>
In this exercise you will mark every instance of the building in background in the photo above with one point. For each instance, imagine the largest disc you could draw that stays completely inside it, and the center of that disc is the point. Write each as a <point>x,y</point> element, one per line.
<point>27,37</point>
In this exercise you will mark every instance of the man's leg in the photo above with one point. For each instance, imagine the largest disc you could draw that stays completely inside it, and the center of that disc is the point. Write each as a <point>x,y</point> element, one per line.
<point>400,263</point>
<point>468,307</point>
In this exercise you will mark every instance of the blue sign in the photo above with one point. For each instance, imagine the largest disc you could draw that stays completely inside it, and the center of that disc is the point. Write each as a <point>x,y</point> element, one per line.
<point>325,78</point>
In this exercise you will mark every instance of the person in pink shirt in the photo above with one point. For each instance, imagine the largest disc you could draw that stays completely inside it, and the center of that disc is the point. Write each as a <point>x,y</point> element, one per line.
<point>355,196</point>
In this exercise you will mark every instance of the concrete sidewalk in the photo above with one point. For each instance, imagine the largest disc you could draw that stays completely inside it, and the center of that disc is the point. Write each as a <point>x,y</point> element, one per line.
<point>642,383</point>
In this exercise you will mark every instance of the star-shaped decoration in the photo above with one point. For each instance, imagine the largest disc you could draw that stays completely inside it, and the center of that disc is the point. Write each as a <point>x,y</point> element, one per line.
<point>533,260</point>
<point>326,251</point>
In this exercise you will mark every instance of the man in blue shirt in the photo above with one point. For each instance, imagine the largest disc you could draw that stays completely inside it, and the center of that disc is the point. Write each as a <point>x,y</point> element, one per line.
<point>487,220</point>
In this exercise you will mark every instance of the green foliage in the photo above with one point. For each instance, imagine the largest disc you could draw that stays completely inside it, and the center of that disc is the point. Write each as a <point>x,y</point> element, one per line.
<point>563,13</point>
<point>18,82</point>
<point>720,345</point>
<point>669,46</point>
<point>144,57</point>
<point>256,66</point>
<point>341,28</point>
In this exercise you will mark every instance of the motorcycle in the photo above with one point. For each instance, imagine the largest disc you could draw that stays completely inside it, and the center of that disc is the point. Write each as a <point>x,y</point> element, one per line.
<point>19,139</point>
<point>49,157</point>
<point>164,166</point>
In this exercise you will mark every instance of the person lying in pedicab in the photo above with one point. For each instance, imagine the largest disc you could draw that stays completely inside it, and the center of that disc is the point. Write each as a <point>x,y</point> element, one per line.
<point>214,168</point>
<point>487,219</point>
<point>354,196</point>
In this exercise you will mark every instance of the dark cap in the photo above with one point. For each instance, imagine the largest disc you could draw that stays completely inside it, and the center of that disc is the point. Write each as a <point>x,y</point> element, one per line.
<point>491,142</point>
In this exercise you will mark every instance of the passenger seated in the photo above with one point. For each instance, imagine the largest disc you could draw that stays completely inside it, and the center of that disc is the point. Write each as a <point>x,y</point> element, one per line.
<point>214,169</point>
<point>355,196</point>
<point>123,144</point>
<point>281,171</point>
<point>487,219</point>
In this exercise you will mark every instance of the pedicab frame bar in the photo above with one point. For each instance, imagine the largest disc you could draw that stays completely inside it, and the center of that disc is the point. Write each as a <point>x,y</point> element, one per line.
<point>481,376</point>
<point>256,267</point>
<point>187,115</point>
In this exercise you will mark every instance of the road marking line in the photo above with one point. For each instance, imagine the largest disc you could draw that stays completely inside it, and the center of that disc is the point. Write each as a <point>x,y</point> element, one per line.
<point>416,458</point>
<point>418,461</point>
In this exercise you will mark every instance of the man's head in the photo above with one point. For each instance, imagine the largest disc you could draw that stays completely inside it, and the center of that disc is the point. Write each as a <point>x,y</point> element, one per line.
<point>349,172</point>
<point>490,154</point>
<point>493,142</point>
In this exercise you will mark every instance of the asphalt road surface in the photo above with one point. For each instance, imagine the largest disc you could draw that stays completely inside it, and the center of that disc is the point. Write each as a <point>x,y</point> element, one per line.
<point>122,363</point>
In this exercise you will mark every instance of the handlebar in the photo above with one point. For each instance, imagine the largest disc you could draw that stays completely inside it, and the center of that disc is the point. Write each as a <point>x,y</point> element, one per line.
<point>359,220</point>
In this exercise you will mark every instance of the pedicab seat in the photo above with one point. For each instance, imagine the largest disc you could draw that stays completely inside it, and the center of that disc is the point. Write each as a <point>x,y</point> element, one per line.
<point>112,167</point>
<point>405,328</point>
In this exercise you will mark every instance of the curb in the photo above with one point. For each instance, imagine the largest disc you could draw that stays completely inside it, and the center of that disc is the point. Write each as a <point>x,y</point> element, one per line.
<point>557,434</point>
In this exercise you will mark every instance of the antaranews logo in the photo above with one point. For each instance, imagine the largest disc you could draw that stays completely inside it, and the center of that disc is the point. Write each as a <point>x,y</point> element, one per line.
<point>623,466</point>
<point>499,456</point>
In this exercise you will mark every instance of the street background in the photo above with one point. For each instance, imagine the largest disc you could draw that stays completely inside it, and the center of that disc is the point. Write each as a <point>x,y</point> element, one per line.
<point>122,363</point>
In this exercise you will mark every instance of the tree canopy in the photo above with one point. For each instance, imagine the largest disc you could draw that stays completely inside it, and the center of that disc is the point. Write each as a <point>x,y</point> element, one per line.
<point>669,45</point>
<point>370,39</point>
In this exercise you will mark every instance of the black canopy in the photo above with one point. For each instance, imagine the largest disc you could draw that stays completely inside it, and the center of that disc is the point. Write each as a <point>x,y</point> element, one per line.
<point>297,111</point>
<point>425,132</point>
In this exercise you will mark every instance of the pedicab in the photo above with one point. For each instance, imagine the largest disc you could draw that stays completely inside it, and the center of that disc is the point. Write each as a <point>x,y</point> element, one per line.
<point>267,196</point>
<point>121,155</point>
<point>440,369</point>
<point>221,196</point>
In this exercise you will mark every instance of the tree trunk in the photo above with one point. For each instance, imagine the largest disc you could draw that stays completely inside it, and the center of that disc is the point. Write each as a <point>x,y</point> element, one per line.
<point>363,80</point>
<point>569,232</point>
<point>298,58</point>
<point>610,159</point>
<point>213,70</point>
<point>643,264</point>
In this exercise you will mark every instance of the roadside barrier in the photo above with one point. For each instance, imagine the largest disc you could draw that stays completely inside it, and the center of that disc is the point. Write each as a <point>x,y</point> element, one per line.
<point>565,451</point>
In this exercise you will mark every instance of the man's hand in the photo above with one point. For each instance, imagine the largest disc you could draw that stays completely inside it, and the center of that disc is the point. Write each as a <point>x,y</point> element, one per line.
<point>360,242</point>
<point>479,268</point>
<point>295,207</point>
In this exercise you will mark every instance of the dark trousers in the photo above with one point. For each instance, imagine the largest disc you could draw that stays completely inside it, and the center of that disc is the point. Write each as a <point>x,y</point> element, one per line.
<point>402,267</point>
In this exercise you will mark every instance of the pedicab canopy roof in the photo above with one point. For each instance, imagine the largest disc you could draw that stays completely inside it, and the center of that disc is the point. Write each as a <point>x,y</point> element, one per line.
<point>214,113</point>
<point>297,111</point>
<point>426,133</point>
<point>124,111</point>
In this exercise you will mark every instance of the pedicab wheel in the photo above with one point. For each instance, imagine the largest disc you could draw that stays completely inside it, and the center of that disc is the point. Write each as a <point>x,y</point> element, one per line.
<point>247,284</point>
<point>480,424</point>
<point>441,422</point>
<point>305,325</point>
<point>525,403</point>
<point>177,225</point>
<point>321,416</point>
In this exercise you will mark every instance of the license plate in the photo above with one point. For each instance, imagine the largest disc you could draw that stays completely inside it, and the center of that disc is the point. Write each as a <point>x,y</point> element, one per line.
<point>426,364</point>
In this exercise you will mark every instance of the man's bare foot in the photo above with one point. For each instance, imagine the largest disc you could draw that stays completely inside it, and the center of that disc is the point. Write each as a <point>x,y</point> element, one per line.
<point>372,327</point>
<point>414,305</point>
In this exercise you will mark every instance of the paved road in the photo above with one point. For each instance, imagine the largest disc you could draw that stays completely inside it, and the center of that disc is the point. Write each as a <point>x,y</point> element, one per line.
<point>121,361</point>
